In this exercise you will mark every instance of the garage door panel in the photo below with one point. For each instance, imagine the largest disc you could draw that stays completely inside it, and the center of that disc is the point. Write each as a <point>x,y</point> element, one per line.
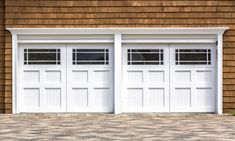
<point>79,98</point>
<point>31,98</point>
<point>156,98</point>
<point>183,76</point>
<point>181,98</point>
<point>145,77</point>
<point>54,76</point>
<point>192,68</point>
<point>102,97</point>
<point>53,98</point>
<point>135,76</point>
<point>102,76</point>
<point>90,79</point>
<point>79,76</point>
<point>156,76</point>
<point>204,96</point>
<point>204,76</point>
<point>134,97</point>
<point>42,77</point>
<point>31,76</point>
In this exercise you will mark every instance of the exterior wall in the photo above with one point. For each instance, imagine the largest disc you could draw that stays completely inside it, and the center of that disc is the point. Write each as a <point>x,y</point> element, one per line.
<point>2,45</point>
<point>125,13</point>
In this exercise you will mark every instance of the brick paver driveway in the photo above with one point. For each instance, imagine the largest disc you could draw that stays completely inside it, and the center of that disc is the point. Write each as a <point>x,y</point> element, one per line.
<point>108,127</point>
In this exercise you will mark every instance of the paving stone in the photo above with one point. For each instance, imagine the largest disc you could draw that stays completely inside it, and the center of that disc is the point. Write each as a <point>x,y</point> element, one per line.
<point>173,127</point>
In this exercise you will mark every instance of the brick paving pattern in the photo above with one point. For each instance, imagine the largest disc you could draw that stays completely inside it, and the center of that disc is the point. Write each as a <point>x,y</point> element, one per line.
<point>107,127</point>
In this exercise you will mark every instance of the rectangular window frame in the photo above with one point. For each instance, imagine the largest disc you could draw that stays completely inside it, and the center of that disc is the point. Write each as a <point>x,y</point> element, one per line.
<point>31,51</point>
<point>206,52</point>
<point>158,52</point>
<point>76,61</point>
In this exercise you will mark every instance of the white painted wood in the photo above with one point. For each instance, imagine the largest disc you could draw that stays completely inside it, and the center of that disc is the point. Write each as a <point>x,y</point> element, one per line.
<point>65,41</point>
<point>89,87</point>
<point>15,103</point>
<point>146,87</point>
<point>42,88</point>
<point>192,87</point>
<point>171,41</point>
<point>219,75</point>
<point>189,30</point>
<point>117,73</point>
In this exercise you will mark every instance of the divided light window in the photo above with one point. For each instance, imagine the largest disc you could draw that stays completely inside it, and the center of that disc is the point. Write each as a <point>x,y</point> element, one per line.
<point>193,56</point>
<point>41,56</point>
<point>90,56</point>
<point>145,56</point>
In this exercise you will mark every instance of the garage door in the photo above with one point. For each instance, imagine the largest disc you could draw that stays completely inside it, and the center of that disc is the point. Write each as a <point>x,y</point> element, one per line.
<point>65,78</point>
<point>169,77</point>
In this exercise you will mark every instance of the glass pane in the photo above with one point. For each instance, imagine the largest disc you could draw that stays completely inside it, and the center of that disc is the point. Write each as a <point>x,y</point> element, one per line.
<point>192,56</point>
<point>145,56</point>
<point>90,56</point>
<point>41,56</point>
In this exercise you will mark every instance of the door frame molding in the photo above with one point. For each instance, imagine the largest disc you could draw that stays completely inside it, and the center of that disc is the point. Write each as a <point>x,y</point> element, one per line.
<point>117,34</point>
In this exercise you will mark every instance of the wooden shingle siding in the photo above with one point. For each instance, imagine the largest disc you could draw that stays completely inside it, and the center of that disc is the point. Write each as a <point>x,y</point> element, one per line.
<point>2,62</point>
<point>121,13</point>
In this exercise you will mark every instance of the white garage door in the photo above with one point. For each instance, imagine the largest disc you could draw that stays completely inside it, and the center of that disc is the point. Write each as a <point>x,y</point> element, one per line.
<point>169,78</point>
<point>65,78</point>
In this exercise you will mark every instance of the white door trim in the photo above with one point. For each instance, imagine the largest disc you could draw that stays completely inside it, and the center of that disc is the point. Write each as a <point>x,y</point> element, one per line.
<point>117,32</point>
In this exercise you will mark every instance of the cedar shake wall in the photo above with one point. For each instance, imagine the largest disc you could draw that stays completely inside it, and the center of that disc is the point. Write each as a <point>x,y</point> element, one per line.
<point>123,13</point>
<point>2,46</point>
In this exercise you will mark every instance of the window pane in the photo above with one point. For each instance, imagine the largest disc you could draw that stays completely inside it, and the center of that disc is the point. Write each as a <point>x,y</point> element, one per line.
<point>193,56</point>
<point>41,56</point>
<point>145,56</point>
<point>90,56</point>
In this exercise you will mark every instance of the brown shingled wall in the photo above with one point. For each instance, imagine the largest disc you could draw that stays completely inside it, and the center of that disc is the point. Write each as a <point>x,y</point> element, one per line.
<point>124,13</point>
<point>2,46</point>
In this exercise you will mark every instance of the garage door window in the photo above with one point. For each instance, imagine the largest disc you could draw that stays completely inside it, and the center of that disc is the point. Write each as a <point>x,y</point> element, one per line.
<point>145,56</point>
<point>41,56</point>
<point>193,56</point>
<point>90,56</point>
